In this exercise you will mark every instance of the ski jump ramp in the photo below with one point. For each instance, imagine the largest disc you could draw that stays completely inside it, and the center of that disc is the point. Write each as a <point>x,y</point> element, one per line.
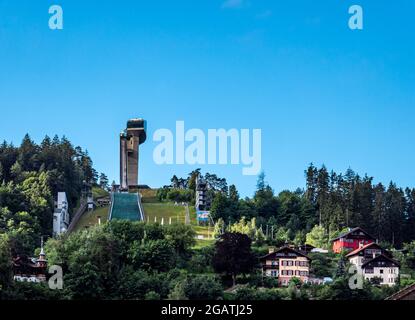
<point>126,206</point>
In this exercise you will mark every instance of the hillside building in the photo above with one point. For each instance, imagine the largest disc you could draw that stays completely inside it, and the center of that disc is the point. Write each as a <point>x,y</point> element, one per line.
<point>372,262</point>
<point>61,215</point>
<point>27,269</point>
<point>352,240</point>
<point>285,264</point>
<point>202,201</point>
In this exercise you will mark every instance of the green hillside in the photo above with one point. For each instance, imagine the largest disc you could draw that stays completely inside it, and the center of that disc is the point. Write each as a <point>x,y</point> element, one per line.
<point>90,219</point>
<point>154,211</point>
<point>164,210</point>
<point>153,208</point>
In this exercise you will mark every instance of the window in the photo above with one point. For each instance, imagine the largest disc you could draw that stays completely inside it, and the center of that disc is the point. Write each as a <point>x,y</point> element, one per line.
<point>381,271</point>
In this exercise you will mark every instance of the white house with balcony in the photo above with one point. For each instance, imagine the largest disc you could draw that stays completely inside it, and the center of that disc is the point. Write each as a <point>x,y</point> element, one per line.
<point>374,262</point>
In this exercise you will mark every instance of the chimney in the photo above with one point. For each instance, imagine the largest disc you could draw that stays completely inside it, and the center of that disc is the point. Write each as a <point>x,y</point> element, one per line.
<point>271,250</point>
<point>361,245</point>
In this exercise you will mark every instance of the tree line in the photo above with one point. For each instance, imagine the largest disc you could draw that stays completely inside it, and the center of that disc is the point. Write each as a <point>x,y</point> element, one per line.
<point>31,175</point>
<point>334,201</point>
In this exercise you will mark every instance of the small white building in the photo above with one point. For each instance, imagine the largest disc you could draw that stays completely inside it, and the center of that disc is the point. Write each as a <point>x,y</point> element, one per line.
<point>372,262</point>
<point>61,215</point>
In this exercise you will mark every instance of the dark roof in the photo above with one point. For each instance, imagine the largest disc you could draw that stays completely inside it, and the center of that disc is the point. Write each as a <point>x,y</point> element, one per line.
<point>21,261</point>
<point>382,256</point>
<point>354,252</point>
<point>351,231</point>
<point>307,246</point>
<point>403,293</point>
<point>285,248</point>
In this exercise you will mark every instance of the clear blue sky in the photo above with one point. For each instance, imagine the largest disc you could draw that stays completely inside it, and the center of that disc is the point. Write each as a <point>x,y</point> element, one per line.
<point>320,92</point>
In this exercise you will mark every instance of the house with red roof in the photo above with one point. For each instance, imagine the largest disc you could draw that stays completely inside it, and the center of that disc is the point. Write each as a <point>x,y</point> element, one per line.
<point>374,262</point>
<point>352,240</point>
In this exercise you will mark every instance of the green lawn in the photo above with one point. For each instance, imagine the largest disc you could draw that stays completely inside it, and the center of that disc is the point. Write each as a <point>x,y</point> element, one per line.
<point>164,210</point>
<point>90,219</point>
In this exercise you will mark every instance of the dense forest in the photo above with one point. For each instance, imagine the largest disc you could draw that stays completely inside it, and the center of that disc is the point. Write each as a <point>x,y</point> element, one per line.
<point>31,175</point>
<point>333,201</point>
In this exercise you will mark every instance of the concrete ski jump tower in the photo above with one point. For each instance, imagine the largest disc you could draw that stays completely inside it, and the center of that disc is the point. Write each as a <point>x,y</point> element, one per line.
<point>130,140</point>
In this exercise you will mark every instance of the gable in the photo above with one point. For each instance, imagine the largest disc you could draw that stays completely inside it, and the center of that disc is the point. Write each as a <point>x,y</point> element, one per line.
<point>381,261</point>
<point>370,246</point>
<point>284,253</point>
<point>289,253</point>
<point>356,233</point>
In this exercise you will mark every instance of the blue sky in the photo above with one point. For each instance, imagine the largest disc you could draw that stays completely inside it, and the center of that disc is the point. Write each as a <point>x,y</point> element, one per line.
<point>320,92</point>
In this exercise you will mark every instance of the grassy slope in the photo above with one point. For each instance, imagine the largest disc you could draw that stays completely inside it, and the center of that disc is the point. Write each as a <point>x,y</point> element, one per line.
<point>164,210</point>
<point>99,193</point>
<point>91,218</point>
<point>154,208</point>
